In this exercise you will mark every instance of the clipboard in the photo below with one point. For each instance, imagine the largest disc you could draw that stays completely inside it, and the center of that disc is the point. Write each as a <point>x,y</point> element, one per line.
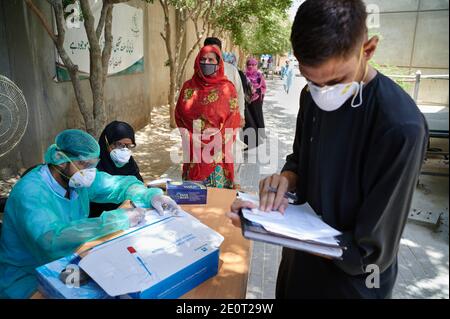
<point>256,232</point>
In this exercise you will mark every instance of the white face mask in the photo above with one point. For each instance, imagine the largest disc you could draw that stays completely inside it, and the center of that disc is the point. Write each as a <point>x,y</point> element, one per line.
<point>120,156</point>
<point>83,178</point>
<point>330,98</point>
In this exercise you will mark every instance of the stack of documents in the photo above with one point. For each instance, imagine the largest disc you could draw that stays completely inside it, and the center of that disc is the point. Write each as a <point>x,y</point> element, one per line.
<point>298,228</point>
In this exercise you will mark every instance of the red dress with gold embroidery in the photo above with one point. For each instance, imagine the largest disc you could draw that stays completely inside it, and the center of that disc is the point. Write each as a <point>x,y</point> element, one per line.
<point>207,114</point>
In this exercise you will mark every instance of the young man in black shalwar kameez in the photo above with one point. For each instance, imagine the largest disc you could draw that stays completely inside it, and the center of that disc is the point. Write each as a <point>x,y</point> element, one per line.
<point>359,144</point>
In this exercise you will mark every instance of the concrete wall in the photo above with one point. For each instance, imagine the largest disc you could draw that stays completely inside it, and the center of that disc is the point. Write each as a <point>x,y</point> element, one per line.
<point>19,63</point>
<point>27,56</point>
<point>414,35</point>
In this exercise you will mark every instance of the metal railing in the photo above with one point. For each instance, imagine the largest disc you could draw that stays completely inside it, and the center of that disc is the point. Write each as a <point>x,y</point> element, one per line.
<point>416,80</point>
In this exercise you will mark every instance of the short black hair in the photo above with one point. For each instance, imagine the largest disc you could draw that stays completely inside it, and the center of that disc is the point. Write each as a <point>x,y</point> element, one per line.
<point>213,41</point>
<point>324,29</point>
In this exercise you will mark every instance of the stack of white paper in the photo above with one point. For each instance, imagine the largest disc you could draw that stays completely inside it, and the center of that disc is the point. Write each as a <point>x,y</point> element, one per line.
<point>298,228</point>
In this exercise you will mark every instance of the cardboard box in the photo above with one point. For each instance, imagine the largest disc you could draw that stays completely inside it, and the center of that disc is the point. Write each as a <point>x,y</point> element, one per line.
<point>183,281</point>
<point>52,287</point>
<point>180,251</point>
<point>194,193</point>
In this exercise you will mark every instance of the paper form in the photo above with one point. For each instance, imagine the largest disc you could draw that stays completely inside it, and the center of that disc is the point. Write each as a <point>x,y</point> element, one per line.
<point>298,221</point>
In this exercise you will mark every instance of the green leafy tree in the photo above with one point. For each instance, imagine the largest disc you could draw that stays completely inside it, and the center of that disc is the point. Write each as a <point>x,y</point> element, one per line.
<point>270,35</point>
<point>256,26</point>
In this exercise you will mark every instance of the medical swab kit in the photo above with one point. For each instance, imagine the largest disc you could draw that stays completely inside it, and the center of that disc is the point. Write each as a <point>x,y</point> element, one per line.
<point>187,192</point>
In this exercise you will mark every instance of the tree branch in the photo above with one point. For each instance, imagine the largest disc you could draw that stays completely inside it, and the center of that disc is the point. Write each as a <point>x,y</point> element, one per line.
<point>186,59</point>
<point>101,21</point>
<point>60,23</point>
<point>42,19</point>
<point>72,68</point>
<point>116,1</point>
<point>91,34</point>
<point>181,29</point>
<point>95,67</point>
<point>167,37</point>
<point>190,13</point>
<point>106,54</point>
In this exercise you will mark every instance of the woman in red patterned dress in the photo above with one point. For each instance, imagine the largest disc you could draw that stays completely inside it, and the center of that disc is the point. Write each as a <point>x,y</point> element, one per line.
<point>207,115</point>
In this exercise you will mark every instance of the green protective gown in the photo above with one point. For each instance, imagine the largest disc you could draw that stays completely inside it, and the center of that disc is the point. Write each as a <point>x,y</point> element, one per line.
<point>40,225</point>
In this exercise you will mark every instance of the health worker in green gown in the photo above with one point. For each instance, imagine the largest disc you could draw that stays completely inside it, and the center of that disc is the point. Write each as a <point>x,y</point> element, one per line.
<point>46,215</point>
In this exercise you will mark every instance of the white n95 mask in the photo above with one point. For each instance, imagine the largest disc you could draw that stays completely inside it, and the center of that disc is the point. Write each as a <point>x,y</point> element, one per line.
<point>330,98</point>
<point>120,156</point>
<point>83,178</point>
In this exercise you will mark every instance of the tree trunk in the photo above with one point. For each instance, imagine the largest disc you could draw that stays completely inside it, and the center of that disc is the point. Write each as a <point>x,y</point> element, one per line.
<point>197,44</point>
<point>177,74</point>
<point>167,36</point>
<point>242,59</point>
<point>95,117</point>
<point>186,59</point>
<point>96,78</point>
<point>172,97</point>
<point>177,64</point>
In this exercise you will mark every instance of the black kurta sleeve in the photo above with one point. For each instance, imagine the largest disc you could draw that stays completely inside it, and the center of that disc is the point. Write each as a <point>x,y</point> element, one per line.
<point>388,181</point>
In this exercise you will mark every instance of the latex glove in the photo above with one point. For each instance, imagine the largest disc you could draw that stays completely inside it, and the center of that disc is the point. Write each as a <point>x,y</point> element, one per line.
<point>163,202</point>
<point>135,216</point>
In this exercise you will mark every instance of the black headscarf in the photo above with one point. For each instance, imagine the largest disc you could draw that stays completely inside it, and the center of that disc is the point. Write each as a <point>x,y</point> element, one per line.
<point>115,131</point>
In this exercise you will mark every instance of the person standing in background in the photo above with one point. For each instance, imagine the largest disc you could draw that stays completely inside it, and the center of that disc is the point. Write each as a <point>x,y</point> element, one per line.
<point>265,64</point>
<point>284,69</point>
<point>288,76</point>
<point>207,104</point>
<point>254,117</point>
<point>232,73</point>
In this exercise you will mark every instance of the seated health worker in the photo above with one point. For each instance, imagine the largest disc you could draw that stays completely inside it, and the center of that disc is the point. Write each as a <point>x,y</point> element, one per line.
<point>46,215</point>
